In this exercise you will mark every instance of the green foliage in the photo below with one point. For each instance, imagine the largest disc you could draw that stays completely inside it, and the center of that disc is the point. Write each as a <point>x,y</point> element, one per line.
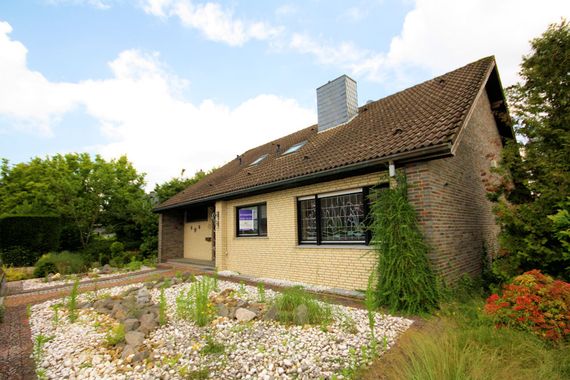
<point>133,265</point>
<point>2,312</point>
<point>260,293</point>
<point>212,347</point>
<point>194,304</point>
<point>72,304</point>
<point>85,191</point>
<point>533,302</point>
<point>63,263</point>
<point>288,302</point>
<point>371,306</point>
<point>465,344</point>
<point>55,318</point>
<point>16,274</point>
<point>23,238</point>
<point>561,224</point>
<point>172,187</point>
<point>536,182</point>
<point>38,353</point>
<point>162,308</point>
<point>116,335</point>
<point>405,280</point>
<point>99,250</point>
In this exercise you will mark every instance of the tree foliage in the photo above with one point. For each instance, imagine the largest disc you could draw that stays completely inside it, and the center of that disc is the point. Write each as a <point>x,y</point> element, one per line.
<point>537,169</point>
<point>175,185</point>
<point>85,191</point>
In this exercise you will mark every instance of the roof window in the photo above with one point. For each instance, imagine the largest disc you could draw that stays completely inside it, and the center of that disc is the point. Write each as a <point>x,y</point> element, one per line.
<point>261,158</point>
<point>295,147</point>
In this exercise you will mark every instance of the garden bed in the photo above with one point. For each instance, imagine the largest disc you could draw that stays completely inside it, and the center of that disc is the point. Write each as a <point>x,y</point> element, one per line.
<point>225,348</point>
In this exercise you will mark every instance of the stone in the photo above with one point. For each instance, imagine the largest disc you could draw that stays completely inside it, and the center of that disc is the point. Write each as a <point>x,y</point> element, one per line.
<point>134,338</point>
<point>128,351</point>
<point>222,310</point>
<point>143,296</point>
<point>106,269</point>
<point>56,277</point>
<point>119,312</point>
<point>244,315</point>
<point>96,271</point>
<point>131,324</point>
<point>302,314</point>
<point>147,323</point>
<point>271,313</point>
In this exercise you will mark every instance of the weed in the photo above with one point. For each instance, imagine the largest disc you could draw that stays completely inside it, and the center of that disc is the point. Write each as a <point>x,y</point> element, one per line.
<point>162,308</point>
<point>297,306</point>
<point>116,335</point>
<point>38,353</point>
<point>212,347</point>
<point>347,323</point>
<point>72,305</point>
<point>167,283</point>
<point>28,311</point>
<point>216,288</point>
<point>179,276</point>
<point>171,361</point>
<point>242,292</point>
<point>260,293</point>
<point>2,312</point>
<point>55,318</point>
<point>199,374</point>
<point>194,304</point>
<point>370,303</point>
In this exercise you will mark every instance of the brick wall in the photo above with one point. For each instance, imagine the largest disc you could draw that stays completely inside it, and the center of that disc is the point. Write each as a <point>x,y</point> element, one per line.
<point>171,235</point>
<point>279,256</point>
<point>449,195</point>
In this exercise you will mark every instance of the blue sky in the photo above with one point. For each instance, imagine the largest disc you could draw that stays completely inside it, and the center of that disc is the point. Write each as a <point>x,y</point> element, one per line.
<point>182,84</point>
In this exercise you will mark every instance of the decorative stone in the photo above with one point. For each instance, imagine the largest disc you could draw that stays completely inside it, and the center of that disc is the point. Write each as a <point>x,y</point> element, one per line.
<point>244,315</point>
<point>134,338</point>
<point>131,324</point>
<point>222,310</point>
<point>106,269</point>
<point>143,296</point>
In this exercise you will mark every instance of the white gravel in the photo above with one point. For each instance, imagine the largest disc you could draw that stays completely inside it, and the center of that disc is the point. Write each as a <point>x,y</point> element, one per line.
<point>40,283</point>
<point>253,350</point>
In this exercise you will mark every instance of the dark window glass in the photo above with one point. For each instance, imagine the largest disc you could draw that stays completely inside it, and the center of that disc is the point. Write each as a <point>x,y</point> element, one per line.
<point>252,220</point>
<point>308,220</point>
<point>342,218</point>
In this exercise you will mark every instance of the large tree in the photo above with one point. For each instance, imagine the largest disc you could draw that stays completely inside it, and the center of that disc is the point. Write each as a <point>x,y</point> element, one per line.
<point>538,165</point>
<point>85,191</point>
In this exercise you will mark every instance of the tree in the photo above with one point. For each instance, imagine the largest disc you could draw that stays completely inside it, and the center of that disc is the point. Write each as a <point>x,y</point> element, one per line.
<point>175,185</point>
<point>539,165</point>
<point>86,192</point>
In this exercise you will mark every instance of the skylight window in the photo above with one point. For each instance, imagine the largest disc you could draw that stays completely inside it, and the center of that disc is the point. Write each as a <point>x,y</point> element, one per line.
<point>295,147</point>
<point>261,158</point>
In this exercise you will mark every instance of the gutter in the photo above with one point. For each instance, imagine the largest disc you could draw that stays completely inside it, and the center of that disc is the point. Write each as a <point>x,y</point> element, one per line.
<point>431,152</point>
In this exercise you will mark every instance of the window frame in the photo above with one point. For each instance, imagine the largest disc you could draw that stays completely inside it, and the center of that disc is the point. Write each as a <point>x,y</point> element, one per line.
<point>318,218</point>
<point>257,205</point>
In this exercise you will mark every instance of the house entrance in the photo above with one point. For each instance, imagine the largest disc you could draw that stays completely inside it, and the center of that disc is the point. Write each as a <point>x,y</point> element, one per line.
<point>198,234</point>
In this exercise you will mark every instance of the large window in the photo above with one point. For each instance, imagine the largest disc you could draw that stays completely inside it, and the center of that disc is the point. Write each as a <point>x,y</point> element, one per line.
<point>333,218</point>
<point>251,220</point>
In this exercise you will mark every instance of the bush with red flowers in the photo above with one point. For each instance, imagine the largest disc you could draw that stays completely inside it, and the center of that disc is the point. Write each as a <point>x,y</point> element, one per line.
<point>533,302</point>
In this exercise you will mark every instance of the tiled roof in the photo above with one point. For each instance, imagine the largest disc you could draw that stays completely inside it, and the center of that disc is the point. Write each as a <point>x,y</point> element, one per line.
<point>426,115</point>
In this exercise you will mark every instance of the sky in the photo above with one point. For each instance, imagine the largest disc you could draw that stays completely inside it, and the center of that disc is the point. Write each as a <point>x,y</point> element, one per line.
<point>188,85</point>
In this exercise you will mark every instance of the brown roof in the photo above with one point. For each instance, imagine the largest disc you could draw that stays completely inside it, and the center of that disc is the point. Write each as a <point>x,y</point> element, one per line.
<point>425,116</point>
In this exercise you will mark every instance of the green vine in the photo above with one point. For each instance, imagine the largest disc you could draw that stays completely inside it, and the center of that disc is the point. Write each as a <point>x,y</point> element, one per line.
<point>406,282</point>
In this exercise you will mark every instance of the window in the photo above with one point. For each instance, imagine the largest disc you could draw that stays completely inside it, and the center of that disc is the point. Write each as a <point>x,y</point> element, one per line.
<point>295,147</point>
<point>251,220</point>
<point>259,159</point>
<point>334,218</point>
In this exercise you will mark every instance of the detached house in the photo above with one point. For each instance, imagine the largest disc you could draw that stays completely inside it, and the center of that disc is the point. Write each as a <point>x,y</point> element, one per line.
<point>294,208</point>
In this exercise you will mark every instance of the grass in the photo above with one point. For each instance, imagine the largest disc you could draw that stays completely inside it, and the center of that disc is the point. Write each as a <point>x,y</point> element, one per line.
<point>162,308</point>
<point>287,304</point>
<point>194,304</point>
<point>72,304</point>
<point>212,347</point>
<point>260,293</point>
<point>116,335</point>
<point>462,343</point>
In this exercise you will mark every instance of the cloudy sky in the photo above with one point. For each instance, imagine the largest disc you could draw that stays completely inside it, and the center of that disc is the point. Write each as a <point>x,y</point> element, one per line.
<point>183,84</point>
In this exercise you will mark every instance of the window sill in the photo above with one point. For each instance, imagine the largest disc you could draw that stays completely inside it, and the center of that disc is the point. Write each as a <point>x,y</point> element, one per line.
<point>335,246</point>
<point>250,237</point>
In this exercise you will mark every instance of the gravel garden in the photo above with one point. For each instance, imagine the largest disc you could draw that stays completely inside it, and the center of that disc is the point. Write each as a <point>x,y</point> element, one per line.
<point>204,328</point>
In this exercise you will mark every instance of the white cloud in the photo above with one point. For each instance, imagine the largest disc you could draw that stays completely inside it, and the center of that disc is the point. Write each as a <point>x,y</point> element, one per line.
<point>141,113</point>
<point>99,4</point>
<point>212,20</point>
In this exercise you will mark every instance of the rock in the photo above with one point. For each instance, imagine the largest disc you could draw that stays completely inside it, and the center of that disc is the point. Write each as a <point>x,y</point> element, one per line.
<point>147,323</point>
<point>222,310</point>
<point>271,314</point>
<point>96,271</point>
<point>119,312</point>
<point>287,363</point>
<point>302,314</point>
<point>134,338</point>
<point>56,277</point>
<point>128,351</point>
<point>106,269</point>
<point>131,324</point>
<point>143,296</point>
<point>244,315</point>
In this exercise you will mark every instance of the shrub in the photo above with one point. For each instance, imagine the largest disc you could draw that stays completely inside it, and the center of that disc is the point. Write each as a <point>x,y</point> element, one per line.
<point>116,335</point>
<point>133,265</point>
<point>34,234</point>
<point>16,274</point>
<point>405,280</point>
<point>98,250</point>
<point>64,263</point>
<point>288,303</point>
<point>533,302</point>
<point>194,304</point>
<point>18,256</point>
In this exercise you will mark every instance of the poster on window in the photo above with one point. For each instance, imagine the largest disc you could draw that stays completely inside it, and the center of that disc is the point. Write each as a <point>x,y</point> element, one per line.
<point>246,218</point>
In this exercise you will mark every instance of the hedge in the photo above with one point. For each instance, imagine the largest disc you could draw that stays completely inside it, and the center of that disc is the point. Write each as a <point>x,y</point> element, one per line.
<point>24,238</point>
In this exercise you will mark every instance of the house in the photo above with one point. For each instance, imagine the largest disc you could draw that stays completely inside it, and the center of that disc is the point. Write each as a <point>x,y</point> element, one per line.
<point>294,207</point>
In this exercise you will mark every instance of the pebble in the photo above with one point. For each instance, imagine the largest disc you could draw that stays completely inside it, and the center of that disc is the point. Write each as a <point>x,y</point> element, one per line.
<point>256,350</point>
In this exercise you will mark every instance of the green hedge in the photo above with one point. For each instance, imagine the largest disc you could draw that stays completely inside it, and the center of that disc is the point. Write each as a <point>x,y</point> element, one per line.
<point>24,238</point>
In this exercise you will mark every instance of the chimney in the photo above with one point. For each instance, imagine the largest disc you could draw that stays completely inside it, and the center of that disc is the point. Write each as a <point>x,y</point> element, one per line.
<point>337,102</point>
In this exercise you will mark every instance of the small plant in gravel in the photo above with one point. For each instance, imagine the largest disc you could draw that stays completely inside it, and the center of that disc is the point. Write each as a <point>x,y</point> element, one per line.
<point>295,305</point>
<point>72,304</point>
<point>212,347</point>
<point>194,304</point>
<point>171,361</point>
<point>2,312</point>
<point>116,335</point>
<point>199,374</point>
<point>38,353</point>
<point>242,292</point>
<point>55,318</point>
<point>370,303</point>
<point>260,293</point>
<point>162,308</point>
<point>347,323</point>
<point>28,311</point>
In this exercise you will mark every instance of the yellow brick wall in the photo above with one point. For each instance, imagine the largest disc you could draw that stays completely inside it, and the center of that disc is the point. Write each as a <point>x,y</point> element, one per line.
<point>278,255</point>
